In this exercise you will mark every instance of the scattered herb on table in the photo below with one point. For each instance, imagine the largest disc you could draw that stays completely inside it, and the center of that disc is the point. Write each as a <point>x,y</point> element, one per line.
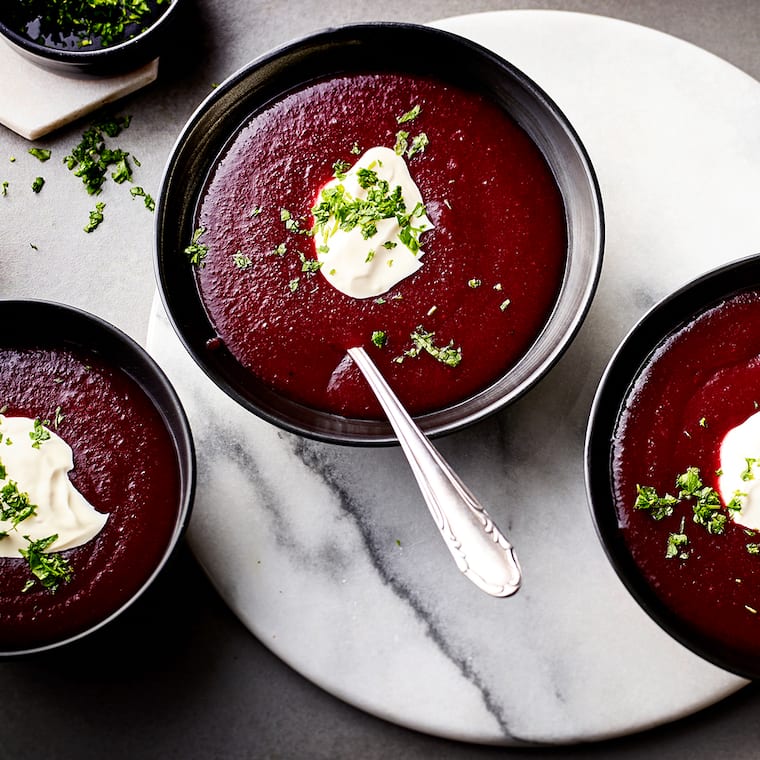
<point>43,154</point>
<point>138,192</point>
<point>91,159</point>
<point>96,217</point>
<point>38,184</point>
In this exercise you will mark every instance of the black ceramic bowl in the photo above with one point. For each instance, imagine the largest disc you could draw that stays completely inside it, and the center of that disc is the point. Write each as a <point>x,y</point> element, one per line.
<point>359,48</point>
<point>132,558</point>
<point>140,43</point>
<point>634,353</point>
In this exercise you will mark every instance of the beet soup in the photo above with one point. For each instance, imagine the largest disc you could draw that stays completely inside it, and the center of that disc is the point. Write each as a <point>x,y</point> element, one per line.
<point>494,256</point>
<point>124,465</point>
<point>685,459</point>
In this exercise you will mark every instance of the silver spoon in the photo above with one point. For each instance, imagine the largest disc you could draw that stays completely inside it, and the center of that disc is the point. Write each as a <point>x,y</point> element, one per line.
<point>480,550</point>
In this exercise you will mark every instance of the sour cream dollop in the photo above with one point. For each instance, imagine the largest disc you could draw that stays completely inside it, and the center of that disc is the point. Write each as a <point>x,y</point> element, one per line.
<point>362,265</point>
<point>42,472</point>
<point>739,472</point>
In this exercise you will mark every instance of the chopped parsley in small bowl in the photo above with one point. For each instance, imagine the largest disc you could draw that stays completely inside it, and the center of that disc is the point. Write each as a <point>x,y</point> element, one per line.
<point>87,37</point>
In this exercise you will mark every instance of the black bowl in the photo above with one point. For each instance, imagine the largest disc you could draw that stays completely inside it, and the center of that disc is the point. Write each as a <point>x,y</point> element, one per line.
<point>360,48</point>
<point>144,44</point>
<point>625,366</point>
<point>34,324</point>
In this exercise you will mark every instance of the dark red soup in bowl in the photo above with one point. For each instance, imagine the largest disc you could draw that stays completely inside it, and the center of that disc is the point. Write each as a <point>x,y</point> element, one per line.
<point>97,474</point>
<point>672,463</point>
<point>432,205</point>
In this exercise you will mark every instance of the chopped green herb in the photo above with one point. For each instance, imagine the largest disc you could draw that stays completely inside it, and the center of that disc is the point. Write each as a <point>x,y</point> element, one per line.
<point>748,474</point>
<point>241,260</point>
<point>677,543</point>
<point>14,504</point>
<point>40,153</point>
<point>658,506</point>
<point>413,113</point>
<point>138,192</point>
<point>419,143</point>
<point>96,217</point>
<point>474,283</point>
<point>90,158</point>
<point>309,266</point>
<point>337,210</point>
<point>49,569</point>
<point>706,507</point>
<point>402,142</point>
<point>5,187</point>
<point>379,338</point>
<point>753,548</point>
<point>196,252</point>
<point>340,168</point>
<point>293,284</point>
<point>423,341</point>
<point>89,21</point>
<point>38,184</point>
<point>39,433</point>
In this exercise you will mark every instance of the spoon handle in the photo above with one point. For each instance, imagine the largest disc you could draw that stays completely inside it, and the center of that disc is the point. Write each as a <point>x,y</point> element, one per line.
<point>481,551</point>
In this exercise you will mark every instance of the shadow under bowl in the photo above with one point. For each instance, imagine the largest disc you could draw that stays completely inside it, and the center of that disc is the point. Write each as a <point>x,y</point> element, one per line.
<point>361,48</point>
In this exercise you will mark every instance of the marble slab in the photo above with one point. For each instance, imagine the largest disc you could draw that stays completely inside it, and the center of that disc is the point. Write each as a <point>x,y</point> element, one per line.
<point>35,101</point>
<point>327,553</point>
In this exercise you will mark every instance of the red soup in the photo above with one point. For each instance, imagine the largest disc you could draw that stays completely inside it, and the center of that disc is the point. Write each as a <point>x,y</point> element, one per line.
<point>679,524</point>
<point>124,465</point>
<point>493,263</point>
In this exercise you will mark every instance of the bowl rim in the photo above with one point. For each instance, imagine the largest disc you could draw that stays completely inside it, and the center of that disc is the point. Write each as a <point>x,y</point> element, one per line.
<point>172,414</point>
<point>116,56</point>
<point>379,432</point>
<point>661,320</point>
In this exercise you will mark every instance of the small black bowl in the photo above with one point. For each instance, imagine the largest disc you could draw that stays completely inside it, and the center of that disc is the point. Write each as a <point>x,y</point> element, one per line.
<point>33,325</point>
<point>622,371</point>
<point>361,48</point>
<point>141,44</point>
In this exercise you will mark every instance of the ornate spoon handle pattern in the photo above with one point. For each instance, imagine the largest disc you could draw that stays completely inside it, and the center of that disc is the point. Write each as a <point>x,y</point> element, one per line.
<point>481,551</point>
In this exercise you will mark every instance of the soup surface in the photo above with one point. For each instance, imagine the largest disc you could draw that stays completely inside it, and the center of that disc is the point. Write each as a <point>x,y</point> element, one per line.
<point>491,271</point>
<point>686,536</point>
<point>125,466</point>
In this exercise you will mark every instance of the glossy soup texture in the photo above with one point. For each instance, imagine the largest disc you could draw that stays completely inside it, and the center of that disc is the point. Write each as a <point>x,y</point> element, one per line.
<point>492,268</point>
<point>124,464</point>
<point>700,383</point>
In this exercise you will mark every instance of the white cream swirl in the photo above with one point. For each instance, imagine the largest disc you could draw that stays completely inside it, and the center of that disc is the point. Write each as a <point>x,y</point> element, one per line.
<point>37,466</point>
<point>361,265</point>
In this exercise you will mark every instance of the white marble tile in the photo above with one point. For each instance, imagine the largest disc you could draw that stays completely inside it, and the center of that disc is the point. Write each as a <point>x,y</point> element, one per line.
<point>327,553</point>
<point>35,101</point>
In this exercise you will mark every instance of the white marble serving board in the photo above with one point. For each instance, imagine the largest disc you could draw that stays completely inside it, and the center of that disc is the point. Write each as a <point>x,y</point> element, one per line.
<point>327,554</point>
<point>35,101</point>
